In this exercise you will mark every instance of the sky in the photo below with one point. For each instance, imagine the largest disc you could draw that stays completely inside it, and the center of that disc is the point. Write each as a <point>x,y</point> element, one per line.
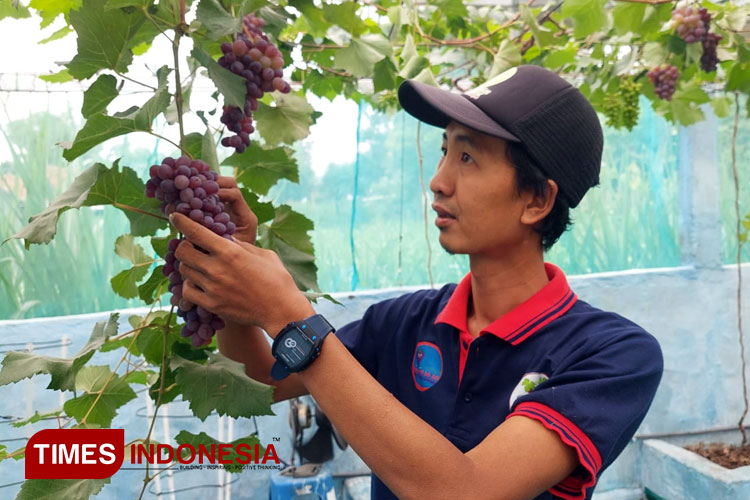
<point>332,139</point>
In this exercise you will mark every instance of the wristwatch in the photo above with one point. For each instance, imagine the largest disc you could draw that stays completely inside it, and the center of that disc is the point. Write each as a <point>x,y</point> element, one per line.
<point>298,344</point>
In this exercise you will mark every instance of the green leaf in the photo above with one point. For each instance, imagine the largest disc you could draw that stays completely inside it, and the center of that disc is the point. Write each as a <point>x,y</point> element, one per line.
<point>655,17</point>
<point>136,378</point>
<point>556,58</point>
<point>20,365</point>
<point>154,286</point>
<point>231,86</point>
<point>13,10</point>
<point>589,16</point>
<point>628,17</point>
<point>101,127</point>
<point>194,144</point>
<point>186,437</point>
<point>151,344</point>
<point>36,417</point>
<point>288,121</point>
<point>325,86</point>
<point>125,190</point>
<point>345,15</point>
<point>507,56</point>
<point>739,78</point>
<point>125,283</point>
<point>426,76</point>
<point>216,386</point>
<point>452,8</point>
<point>208,150</point>
<point>49,10</point>
<point>264,211</point>
<point>102,400</point>
<point>722,106</point>
<point>99,95</point>
<point>160,244</point>
<point>103,38</point>
<point>542,35</point>
<point>218,22</point>
<point>55,489</point>
<point>57,35</point>
<point>259,169</point>
<point>61,76</point>
<point>313,15</point>
<point>360,56</point>
<point>288,236</point>
<point>383,77</point>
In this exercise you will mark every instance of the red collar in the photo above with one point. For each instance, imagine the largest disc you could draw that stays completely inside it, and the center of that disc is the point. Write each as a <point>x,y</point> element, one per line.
<point>520,323</point>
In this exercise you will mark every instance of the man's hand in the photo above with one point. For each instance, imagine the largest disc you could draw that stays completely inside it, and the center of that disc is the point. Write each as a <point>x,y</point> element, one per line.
<point>234,204</point>
<point>240,282</point>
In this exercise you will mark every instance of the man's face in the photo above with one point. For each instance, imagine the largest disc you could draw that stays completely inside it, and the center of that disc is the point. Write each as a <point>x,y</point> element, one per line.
<point>478,209</point>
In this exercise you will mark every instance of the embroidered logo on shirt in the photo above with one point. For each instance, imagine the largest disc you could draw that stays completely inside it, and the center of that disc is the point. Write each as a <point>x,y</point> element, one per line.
<point>528,383</point>
<point>427,365</point>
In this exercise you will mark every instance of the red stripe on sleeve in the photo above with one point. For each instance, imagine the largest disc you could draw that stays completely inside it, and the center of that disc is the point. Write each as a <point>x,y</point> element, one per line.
<point>570,434</point>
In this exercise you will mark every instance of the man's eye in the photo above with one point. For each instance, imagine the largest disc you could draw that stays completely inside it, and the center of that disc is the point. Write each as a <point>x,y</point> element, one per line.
<point>465,157</point>
<point>444,150</point>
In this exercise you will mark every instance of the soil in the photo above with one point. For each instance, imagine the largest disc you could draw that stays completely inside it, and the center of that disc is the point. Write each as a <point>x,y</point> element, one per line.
<point>729,456</point>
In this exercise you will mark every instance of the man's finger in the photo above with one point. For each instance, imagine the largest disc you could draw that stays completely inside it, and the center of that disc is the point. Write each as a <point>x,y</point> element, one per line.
<point>200,235</point>
<point>227,182</point>
<point>193,275</point>
<point>192,293</point>
<point>187,254</point>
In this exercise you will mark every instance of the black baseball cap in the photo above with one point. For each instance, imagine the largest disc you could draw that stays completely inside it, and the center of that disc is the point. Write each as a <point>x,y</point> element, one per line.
<point>549,117</point>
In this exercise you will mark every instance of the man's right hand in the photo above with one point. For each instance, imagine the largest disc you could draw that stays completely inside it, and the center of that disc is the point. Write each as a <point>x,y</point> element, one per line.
<point>240,213</point>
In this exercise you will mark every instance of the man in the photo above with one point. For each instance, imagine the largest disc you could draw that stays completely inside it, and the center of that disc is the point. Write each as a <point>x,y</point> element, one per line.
<point>504,386</point>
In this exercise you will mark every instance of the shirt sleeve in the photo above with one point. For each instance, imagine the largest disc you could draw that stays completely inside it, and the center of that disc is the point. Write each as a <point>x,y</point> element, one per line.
<point>359,337</point>
<point>596,403</point>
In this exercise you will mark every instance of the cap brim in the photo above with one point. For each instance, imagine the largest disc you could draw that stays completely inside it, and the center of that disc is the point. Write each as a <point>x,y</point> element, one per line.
<point>439,107</point>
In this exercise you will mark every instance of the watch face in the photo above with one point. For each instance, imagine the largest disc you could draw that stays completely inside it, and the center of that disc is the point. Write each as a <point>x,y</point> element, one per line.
<point>294,348</point>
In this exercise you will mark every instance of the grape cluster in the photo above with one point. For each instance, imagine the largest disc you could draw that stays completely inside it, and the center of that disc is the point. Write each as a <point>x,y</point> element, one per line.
<point>190,188</point>
<point>253,57</point>
<point>622,109</point>
<point>689,23</point>
<point>709,59</point>
<point>664,78</point>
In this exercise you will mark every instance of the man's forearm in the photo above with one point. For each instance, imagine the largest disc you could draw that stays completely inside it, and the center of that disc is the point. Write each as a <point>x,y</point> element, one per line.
<point>248,345</point>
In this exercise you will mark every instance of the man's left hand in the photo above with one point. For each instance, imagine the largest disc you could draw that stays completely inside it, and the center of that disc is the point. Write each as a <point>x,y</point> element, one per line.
<point>237,281</point>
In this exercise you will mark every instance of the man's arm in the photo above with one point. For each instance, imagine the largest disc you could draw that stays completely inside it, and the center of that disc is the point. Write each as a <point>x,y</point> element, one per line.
<point>248,345</point>
<point>520,459</point>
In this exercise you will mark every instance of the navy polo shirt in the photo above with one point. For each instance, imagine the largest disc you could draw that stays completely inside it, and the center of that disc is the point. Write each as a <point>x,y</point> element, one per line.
<point>586,374</point>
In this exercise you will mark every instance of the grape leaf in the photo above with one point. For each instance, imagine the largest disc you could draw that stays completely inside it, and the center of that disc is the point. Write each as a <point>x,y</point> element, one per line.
<point>99,95</point>
<point>589,16</point>
<point>103,38</point>
<point>155,285</point>
<point>20,365</point>
<point>101,127</point>
<point>507,56</point>
<point>312,15</point>
<point>722,106</point>
<point>124,190</point>
<point>628,17</point>
<point>542,35</point>
<point>383,78</point>
<point>218,22</point>
<point>287,236</point>
<point>50,9</point>
<point>231,86</point>
<point>259,168</point>
<point>360,56</point>
<point>287,122</point>
<point>208,150</point>
<point>125,283</point>
<point>345,15</point>
<point>61,76</point>
<point>151,343</point>
<point>264,211</point>
<point>216,386</point>
<point>7,9</point>
<point>57,35</point>
<point>36,417</point>
<point>103,401</point>
<point>54,489</point>
<point>187,437</point>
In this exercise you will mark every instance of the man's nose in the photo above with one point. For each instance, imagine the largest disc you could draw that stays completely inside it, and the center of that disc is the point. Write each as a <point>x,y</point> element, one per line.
<point>442,182</point>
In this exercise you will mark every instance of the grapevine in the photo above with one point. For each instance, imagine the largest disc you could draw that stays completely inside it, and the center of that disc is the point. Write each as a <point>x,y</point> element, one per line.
<point>689,24</point>
<point>190,188</point>
<point>253,57</point>
<point>622,109</point>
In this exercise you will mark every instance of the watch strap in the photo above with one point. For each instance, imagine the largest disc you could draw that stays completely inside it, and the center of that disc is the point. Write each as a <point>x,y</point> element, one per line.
<point>316,328</point>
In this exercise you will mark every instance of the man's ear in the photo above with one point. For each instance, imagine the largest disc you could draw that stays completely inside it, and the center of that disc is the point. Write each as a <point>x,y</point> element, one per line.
<point>538,206</point>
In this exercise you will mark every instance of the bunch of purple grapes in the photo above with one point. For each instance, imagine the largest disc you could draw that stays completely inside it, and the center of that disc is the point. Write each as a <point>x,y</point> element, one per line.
<point>190,188</point>
<point>689,24</point>
<point>253,57</point>
<point>664,79</point>
<point>710,41</point>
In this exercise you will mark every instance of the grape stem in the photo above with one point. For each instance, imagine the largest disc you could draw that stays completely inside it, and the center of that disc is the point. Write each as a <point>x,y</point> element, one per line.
<point>177,82</point>
<point>133,209</point>
<point>162,376</point>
